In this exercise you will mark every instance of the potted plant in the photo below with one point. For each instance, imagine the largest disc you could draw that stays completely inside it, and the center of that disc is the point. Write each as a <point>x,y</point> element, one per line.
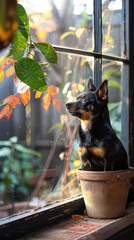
<point>105,177</point>
<point>105,193</point>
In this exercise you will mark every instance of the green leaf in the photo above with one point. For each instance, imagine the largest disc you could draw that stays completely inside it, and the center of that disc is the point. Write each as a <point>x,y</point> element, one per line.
<point>57,125</point>
<point>13,178</point>
<point>113,83</point>
<point>5,152</point>
<point>31,73</point>
<point>23,149</point>
<point>13,139</point>
<point>5,143</point>
<point>15,166</point>
<point>48,51</point>
<point>20,40</point>
<point>66,34</point>
<point>85,16</point>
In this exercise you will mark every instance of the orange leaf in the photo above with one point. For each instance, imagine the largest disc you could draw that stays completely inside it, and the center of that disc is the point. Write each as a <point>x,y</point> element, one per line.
<point>41,34</point>
<point>56,103</point>
<point>25,97</point>
<point>38,94</point>
<point>6,111</point>
<point>11,100</point>
<point>47,101</point>
<point>53,90</point>
<point>9,71</point>
<point>78,217</point>
<point>6,63</point>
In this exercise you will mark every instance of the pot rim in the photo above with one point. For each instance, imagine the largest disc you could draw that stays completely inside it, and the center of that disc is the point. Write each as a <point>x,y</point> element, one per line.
<point>105,176</point>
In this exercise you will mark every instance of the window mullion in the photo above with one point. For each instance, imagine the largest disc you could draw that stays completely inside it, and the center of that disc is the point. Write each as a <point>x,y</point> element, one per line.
<point>97,41</point>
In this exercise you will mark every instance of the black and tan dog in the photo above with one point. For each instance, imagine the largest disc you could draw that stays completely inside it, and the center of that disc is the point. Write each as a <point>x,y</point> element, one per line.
<point>99,149</point>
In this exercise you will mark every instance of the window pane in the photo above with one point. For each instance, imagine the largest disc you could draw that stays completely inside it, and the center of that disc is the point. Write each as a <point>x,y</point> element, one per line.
<point>117,74</point>
<point>62,22</point>
<point>38,148</point>
<point>113,28</point>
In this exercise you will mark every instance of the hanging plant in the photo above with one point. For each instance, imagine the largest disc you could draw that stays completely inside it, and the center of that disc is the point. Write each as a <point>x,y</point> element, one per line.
<point>28,72</point>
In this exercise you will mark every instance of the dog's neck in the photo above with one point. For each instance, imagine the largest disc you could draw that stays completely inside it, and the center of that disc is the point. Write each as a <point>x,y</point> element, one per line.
<point>96,121</point>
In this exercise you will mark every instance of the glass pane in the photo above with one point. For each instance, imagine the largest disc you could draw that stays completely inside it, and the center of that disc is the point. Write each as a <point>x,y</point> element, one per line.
<point>39,148</point>
<point>117,74</point>
<point>62,22</point>
<point>113,28</point>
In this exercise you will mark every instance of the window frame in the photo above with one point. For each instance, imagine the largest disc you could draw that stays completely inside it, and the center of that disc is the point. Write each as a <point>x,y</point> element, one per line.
<point>22,224</point>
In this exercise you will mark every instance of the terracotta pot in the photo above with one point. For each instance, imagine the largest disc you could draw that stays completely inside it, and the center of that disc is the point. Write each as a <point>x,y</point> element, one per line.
<point>105,193</point>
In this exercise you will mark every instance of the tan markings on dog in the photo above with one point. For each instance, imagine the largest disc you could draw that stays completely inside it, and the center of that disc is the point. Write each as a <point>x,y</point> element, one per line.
<point>85,125</point>
<point>85,115</point>
<point>82,150</point>
<point>87,163</point>
<point>99,151</point>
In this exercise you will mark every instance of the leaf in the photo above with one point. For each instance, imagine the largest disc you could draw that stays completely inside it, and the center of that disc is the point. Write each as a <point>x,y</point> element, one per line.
<point>9,71</point>
<point>23,149</point>
<point>56,103</point>
<point>53,90</point>
<point>113,83</point>
<point>6,63</point>
<point>38,94</point>
<point>20,40</point>
<point>31,73</point>
<point>5,152</point>
<point>48,51</point>
<point>41,34</point>
<point>81,87</point>
<point>79,32</point>
<point>46,101</point>
<point>66,34</point>
<point>57,125</point>
<point>6,111</point>
<point>25,97</point>
<point>78,217</point>
<point>11,100</point>
<point>1,76</point>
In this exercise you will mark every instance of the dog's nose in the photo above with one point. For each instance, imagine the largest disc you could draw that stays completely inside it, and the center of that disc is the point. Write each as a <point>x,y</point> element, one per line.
<point>67,105</point>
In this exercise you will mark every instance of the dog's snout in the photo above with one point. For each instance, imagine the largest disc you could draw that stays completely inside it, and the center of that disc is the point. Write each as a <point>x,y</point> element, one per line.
<point>67,105</point>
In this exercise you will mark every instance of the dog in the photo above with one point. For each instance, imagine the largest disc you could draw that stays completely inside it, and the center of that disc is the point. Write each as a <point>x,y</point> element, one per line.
<point>99,147</point>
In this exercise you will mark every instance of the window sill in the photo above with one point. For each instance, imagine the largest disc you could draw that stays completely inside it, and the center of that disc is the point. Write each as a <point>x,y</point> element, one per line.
<point>89,228</point>
<point>56,220</point>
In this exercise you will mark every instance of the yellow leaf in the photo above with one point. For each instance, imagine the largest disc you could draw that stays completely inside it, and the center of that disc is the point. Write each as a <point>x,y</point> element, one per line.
<point>71,172</point>
<point>1,76</point>
<point>75,88</point>
<point>79,32</point>
<point>41,34</point>
<point>38,94</point>
<point>2,59</point>
<point>46,101</point>
<point>9,71</point>
<point>81,87</point>
<point>76,163</point>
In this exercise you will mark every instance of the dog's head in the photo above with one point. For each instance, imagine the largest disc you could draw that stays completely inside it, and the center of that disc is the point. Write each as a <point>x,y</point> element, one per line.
<point>89,103</point>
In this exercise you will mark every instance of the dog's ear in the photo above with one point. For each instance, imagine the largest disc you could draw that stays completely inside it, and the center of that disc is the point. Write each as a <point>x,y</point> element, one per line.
<point>90,85</point>
<point>102,91</point>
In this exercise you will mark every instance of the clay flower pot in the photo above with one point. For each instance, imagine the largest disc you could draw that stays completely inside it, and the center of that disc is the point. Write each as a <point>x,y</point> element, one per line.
<point>105,193</point>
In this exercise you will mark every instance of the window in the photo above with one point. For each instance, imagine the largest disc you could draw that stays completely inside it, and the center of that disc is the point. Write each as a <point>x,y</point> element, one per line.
<point>91,39</point>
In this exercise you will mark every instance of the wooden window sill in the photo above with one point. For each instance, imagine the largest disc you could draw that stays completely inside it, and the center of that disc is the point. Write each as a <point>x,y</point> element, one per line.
<point>88,228</point>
